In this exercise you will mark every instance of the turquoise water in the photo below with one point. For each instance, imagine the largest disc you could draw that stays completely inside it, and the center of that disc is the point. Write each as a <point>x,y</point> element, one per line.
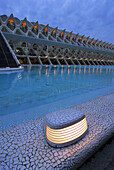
<point>40,85</point>
<point>37,86</point>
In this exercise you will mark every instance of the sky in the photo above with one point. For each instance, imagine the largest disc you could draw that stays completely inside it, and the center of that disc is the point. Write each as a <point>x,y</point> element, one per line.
<point>94,18</point>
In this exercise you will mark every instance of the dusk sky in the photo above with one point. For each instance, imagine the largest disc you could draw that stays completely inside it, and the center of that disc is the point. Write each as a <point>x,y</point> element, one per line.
<point>94,18</point>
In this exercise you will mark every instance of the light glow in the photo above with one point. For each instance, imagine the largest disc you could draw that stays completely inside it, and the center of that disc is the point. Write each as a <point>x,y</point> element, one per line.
<point>102,44</point>
<point>80,38</point>
<point>67,134</point>
<point>35,27</point>
<point>45,29</point>
<point>11,21</point>
<point>85,40</point>
<point>69,35</point>
<point>24,24</point>
<point>90,41</point>
<point>61,34</point>
<point>94,42</point>
<point>75,37</point>
<point>54,31</point>
<point>98,42</point>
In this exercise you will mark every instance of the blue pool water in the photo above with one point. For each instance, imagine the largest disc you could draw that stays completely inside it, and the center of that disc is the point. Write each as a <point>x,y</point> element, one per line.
<point>38,86</point>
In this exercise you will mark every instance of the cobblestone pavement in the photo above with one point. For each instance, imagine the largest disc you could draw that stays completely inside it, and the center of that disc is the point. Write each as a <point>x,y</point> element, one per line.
<point>24,146</point>
<point>102,159</point>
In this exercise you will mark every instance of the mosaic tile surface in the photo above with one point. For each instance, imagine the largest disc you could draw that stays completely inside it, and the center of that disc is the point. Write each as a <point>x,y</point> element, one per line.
<point>64,117</point>
<point>24,146</point>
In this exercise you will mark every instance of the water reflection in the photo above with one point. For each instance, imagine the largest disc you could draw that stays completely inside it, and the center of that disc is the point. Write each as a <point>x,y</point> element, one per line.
<point>74,70</point>
<point>54,71</point>
<point>84,70</point>
<point>46,73</point>
<point>19,76</point>
<point>93,69</point>
<point>100,70</point>
<point>62,71</point>
<point>97,70</point>
<point>89,69</point>
<point>79,70</point>
<point>42,84</point>
<point>68,71</point>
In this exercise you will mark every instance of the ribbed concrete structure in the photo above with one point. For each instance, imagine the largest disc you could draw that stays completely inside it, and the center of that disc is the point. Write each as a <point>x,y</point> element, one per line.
<point>34,43</point>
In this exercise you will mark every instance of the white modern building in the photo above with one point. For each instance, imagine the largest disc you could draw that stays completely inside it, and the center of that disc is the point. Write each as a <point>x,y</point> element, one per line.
<point>34,43</point>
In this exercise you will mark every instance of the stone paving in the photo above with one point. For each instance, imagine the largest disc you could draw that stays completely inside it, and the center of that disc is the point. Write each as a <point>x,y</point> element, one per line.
<point>102,159</point>
<point>24,146</point>
<point>58,119</point>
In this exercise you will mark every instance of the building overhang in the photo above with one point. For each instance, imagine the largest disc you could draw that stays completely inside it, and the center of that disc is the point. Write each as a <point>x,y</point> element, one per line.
<point>21,38</point>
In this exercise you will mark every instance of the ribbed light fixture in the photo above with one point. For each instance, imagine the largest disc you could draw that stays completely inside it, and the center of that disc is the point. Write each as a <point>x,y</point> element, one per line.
<point>60,132</point>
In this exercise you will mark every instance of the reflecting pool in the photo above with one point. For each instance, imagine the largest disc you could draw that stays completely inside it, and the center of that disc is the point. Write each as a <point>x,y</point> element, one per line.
<point>41,85</point>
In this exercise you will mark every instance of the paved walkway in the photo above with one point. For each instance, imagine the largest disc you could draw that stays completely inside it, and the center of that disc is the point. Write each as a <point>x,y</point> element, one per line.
<point>102,159</point>
<point>24,146</point>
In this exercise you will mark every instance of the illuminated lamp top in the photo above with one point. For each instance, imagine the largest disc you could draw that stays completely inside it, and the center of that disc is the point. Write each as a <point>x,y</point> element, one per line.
<point>11,21</point>
<point>69,35</point>
<point>94,42</point>
<point>65,127</point>
<point>98,43</point>
<point>62,33</point>
<point>24,24</point>
<point>90,41</point>
<point>35,27</point>
<point>80,38</point>
<point>54,31</point>
<point>102,43</point>
<point>105,44</point>
<point>86,40</point>
<point>45,29</point>
<point>75,37</point>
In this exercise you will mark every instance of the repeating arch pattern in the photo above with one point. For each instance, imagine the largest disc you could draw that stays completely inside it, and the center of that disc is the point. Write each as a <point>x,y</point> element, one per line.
<point>40,53</point>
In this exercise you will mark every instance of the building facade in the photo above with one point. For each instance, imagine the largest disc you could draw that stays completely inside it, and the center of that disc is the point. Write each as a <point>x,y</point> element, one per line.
<point>34,43</point>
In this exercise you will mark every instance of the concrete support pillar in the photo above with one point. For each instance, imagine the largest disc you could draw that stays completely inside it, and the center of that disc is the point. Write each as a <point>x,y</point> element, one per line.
<point>107,63</point>
<point>72,61</point>
<point>100,62</point>
<point>96,62</point>
<point>39,60</point>
<point>49,61</point>
<point>88,62</point>
<point>93,62</point>
<point>103,63</point>
<point>28,60</point>
<point>58,61</point>
<point>84,62</point>
<point>66,62</point>
<point>78,62</point>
